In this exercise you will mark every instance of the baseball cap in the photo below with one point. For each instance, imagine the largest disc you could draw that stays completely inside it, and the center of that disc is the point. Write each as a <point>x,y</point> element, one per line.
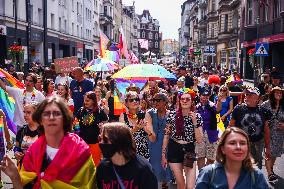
<point>205,92</point>
<point>252,90</point>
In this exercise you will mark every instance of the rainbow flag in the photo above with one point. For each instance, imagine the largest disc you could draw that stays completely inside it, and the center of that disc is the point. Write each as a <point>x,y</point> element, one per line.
<point>72,166</point>
<point>10,80</point>
<point>7,104</point>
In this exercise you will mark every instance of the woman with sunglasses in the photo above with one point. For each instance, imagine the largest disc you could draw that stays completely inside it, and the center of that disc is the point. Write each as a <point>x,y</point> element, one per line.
<point>57,159</point>
<point>225,105</point>
<point>90,118</point>
<point>121,167</point>
<point>184,128</point>
<point>139,122</point>
<point>63,92</point>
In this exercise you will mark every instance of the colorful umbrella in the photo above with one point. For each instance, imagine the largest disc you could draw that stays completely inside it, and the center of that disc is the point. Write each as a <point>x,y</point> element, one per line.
<point>101,65</point>
<point>144,71</point>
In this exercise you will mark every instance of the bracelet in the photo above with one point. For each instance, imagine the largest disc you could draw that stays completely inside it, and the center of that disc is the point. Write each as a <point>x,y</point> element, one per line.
<point>150,134</point>
<point>164,151</point>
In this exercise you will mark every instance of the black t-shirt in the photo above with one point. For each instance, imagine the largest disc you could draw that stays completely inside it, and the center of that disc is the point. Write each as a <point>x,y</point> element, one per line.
<point>136,174</point>
<point>251,120</point>
<point>89,124</point>
<point>188,81</point>
<point>26,137</point>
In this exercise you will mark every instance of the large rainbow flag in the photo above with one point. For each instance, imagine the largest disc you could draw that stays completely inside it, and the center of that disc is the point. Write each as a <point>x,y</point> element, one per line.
<point>7,103</point>
<point>72,166</point>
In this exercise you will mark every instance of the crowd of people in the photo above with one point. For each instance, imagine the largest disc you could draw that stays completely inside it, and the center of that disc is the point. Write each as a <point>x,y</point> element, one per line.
<point>69,136</point>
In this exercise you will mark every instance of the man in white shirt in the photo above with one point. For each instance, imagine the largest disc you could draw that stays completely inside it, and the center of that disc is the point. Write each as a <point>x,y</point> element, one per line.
<point>62,78</point>
<point>23,97</point>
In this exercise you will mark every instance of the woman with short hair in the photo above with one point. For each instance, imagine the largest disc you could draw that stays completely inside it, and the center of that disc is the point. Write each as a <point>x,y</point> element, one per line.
<point>234,167</point>
<point>57,159</point>
<point>122,168</point>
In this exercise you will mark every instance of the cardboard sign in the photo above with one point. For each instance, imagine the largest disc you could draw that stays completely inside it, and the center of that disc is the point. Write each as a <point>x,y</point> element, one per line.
<point>65,65</point>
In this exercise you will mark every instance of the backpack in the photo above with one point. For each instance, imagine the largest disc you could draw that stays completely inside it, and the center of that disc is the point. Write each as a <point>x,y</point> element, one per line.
<point>213,174</point>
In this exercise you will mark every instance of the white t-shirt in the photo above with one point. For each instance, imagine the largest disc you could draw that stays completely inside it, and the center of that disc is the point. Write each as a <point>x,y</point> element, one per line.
<point>63,80</point>
<point>51,152</point>
<point>18,95</point>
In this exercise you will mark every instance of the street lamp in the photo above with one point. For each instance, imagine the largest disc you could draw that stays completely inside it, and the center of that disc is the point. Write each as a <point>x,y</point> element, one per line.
<point>256,66</point>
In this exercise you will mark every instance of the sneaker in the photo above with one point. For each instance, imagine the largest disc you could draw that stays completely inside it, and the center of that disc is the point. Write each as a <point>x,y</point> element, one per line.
<point>272,178</point>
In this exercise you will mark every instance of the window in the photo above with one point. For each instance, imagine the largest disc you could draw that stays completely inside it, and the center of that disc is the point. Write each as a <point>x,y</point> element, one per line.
<point>265,11</point>
<point>105,10</point>
<point>276,8</point>
<point>143,34</point>
<point>156,36</point>
<point>143,26</point>
<point>156,44</point>
<point>59,23</point>
<point>249,12</point>
<point>72,29</point>
<point>40,18</point>
<point>78,8</point>
<point>78,30</point>
<point>32,15</point>
<point>226,23</point>
<point>212,30</point>
<point>223,59</point>
<point>65,25</point>
<point>150,27</point>
<point>150,35</point>
<point>52,21</point>
<point>213,5</point>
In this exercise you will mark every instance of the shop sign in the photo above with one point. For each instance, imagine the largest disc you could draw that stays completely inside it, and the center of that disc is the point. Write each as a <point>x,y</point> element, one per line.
<point>36,36</point>
<point>65,65</point>
<point>209,51</point>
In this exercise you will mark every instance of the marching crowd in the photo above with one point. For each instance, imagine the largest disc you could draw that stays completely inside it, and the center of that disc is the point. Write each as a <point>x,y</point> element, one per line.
<point>68,135</point>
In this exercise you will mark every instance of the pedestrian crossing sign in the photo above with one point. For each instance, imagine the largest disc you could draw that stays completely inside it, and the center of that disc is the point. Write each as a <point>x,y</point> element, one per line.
<point>261,49</point>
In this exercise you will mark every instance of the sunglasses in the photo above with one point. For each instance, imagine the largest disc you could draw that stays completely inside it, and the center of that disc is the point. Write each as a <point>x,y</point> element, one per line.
<point>134,99</point>
<point>186,99</point>
<point>157,100</point>
<point>224,90</point>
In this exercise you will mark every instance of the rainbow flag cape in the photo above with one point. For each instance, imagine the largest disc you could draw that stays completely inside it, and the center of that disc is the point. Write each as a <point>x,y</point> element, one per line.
<point>7,104</point>
<point>71,168</point>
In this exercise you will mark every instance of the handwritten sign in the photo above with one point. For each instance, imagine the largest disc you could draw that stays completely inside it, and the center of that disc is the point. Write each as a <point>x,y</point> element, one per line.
<point>65,65</point>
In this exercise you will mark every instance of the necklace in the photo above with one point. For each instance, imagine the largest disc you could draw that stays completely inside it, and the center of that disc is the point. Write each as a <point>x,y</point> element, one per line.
<point>25,96</point>
<point>132,116</point>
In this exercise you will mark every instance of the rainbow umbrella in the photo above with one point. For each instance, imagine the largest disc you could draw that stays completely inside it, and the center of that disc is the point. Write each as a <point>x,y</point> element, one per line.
<point>144,72</point>
<point>101,65</point>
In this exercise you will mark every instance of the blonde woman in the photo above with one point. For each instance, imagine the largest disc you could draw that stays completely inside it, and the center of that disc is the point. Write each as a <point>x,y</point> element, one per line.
<point>234,165</point>
<point>224,104</point>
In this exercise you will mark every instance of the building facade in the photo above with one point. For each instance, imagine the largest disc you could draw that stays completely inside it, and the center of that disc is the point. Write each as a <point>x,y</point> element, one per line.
<point>262,21</point>
<point>106,18</point>
<point>149,29</point>
<point>169,46</point>
<point>48,29</point>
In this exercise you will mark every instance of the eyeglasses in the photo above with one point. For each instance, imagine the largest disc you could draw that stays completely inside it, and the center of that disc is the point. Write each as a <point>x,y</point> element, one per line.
<point>186,99</point>
<point>55,114</point>
<point>134,99</point>
<point>157,100</point>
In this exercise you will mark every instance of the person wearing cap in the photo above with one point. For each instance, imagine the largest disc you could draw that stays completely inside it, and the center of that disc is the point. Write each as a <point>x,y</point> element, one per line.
<point>207,149</point>
<point>183,73</point>
<point>275,79</point>
<point>253,119</point>
<point>275,105</point>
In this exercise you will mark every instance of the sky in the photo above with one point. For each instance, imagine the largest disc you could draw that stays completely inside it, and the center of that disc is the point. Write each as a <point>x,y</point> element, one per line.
<point>167,12</point>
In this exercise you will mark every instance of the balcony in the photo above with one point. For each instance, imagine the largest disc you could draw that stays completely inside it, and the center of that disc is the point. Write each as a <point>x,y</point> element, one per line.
<point>202,22</point>
<point>224,4</point>
<point>212,16</point>
<point>226,35</point>
<point>105,19</point>
<point>250,33</point>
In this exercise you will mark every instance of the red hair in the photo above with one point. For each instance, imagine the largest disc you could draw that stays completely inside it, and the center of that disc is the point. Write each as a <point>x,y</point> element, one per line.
<point>214,79</point>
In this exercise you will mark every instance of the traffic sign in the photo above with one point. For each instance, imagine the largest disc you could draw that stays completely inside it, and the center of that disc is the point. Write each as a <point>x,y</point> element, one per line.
<point>261,49</point>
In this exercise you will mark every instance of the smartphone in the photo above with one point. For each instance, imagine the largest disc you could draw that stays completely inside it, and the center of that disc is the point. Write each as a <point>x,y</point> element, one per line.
<point>140,116</point>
